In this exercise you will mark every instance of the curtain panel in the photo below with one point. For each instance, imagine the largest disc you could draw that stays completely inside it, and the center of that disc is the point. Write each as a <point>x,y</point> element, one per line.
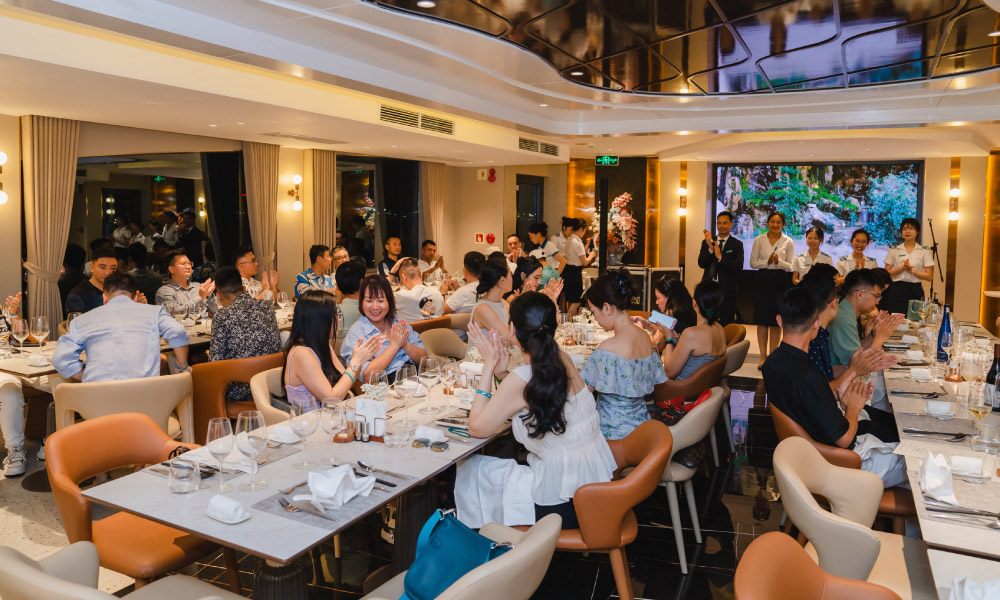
<point>48,161</point>
<point>432,182</point>
<point>260,167</point>
<point>324,182</point>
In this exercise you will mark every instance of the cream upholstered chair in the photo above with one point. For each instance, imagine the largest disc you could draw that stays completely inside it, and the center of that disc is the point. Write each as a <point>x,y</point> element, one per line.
<point>514,575</point>
<point>157,397</point>
<point>71,574</point>
<point>736,355</point>
<point>841,540</point>
<point>688,431</point>
<point>263,385</point>
<point>444,342</point>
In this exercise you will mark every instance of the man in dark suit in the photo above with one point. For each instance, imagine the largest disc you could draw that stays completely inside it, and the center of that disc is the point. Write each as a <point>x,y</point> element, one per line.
<point>722,259</point>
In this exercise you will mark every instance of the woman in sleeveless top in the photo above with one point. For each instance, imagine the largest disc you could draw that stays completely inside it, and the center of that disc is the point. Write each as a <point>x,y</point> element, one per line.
<point>312,371</point>
<point>553,411</point>
<point>698,345</point>
<point>495,280</point>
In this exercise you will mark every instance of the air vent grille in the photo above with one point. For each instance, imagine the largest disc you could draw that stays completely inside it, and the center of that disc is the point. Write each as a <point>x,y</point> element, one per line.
<point>550,149</point>
<point>399,116</point>
<point>437,124</point>
<point>526,144</point>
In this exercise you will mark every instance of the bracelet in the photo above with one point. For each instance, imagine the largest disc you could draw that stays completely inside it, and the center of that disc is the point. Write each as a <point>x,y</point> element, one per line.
<point>671,341</point>
<point>487,395</point>
<point>348,373</point>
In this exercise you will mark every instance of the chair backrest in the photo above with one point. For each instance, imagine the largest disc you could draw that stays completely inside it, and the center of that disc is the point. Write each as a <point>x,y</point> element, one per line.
<point>156,397</point>
<point>602,508</point>
<point>695,425</point>
<point>707,376</point>
<point>460,320</point>
<point>774,567</point>
<point>735,333</point>
<point>263,385</point>
<point>210,380</point>
<point>786,428</point>
<point>736,355</point>
<point>82,451</point>
<point>444,342</point>
<point>426,324</point>
<point>514,575</point>
<point>844,541</point>
<point>70,574</point>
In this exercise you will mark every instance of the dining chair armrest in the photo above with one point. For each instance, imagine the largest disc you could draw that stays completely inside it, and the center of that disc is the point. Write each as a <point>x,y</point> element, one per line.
<point>837,456</point>
<point>77,563</point>
<point>501,533</point>
<point>842,588</point>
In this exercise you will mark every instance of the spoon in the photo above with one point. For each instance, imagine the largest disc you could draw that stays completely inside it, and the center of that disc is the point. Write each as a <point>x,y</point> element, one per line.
<point>991,522</point>
<point>367,467</point>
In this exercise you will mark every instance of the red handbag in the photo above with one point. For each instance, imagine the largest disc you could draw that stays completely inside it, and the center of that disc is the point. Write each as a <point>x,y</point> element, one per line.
<point>679,405</point>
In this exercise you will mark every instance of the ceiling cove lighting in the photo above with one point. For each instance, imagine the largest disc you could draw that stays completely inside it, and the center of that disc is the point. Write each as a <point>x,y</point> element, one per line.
<point>426,3</point>
<point>3,194</point>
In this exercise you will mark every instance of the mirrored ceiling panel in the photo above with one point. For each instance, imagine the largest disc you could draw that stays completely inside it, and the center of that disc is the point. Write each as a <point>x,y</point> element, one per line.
<point>724,47</point>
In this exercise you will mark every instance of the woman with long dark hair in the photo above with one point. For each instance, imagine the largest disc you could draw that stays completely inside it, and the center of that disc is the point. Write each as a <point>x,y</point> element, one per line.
<point>528,278</point>
<point>318,373</point>
<point>772,255</point>
<point>698,345</point>
<point>553,410</point>
<point>674,300</point>
<point>400,344</point>
<point>495,280</point>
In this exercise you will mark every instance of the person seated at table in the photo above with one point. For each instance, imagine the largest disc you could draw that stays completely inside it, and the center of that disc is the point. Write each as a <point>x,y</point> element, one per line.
<point>495,280</point>
<point>96,245</point>
<point>464,298</point>
<point>414,300</point>
<point>72,274</point>
<point>551,409</point>
<point>701,343</point>
<point>400,344</point>
<point>860,294</point>
<point>316,276</point>
<point>243,327</point>
<point>624,368</point>
<point>246,264</point>
<point>546,251</point>
<point>121,338</point>
<point>515,250</point>
<point>672,299</point>
<point>886,279</point>
<point>528,277</point>
<point>389,264</point>
<point>801,391</point>
<point>89,294</point>
<point>349,275</point>
<point>179,287</point>
<point>338,256</point>
<point>147,281</point>
<point>11,398</point>
<point>429,261</point>
<point>319,374</point>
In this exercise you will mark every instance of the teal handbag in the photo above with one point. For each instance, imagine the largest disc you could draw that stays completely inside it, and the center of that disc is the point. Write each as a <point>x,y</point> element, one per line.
<point>446,550</point>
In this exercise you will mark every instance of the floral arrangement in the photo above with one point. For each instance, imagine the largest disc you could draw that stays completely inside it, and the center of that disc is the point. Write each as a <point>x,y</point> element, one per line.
<point>473,355</point>
<point>375,391</point>
<point>621,224</point>
<point>368,213</point>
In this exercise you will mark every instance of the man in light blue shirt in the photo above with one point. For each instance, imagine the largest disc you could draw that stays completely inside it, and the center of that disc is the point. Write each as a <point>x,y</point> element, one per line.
<point>179,287</point>
<point>121,338</point>
<point>317,276</point>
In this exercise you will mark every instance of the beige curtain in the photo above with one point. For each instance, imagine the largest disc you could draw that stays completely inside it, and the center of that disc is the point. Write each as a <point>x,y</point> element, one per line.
<point>48,161</point>
<point>260,167</point>
<point>324,182</point>
<point>432,181</point>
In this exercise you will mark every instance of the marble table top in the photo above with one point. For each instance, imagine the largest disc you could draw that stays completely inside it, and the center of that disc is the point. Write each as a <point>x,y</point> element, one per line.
<point>18,365</point>
<point>947,566</point>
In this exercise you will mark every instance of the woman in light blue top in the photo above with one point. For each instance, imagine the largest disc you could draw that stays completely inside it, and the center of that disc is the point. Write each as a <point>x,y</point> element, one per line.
<point>399,343</point>
<point>312,370</point>
<point>624,368</point>
<point>698,345</point>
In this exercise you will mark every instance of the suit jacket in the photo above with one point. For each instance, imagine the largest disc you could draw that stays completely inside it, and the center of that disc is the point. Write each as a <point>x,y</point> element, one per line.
<point>728,268</point>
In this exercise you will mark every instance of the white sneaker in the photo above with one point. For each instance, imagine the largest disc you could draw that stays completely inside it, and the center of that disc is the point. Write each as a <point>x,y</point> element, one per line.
<point>15,462</point>
<point>41,452</point>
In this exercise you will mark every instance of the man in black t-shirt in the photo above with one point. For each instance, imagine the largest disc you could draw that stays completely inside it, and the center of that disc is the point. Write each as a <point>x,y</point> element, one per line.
<point>89,294</point>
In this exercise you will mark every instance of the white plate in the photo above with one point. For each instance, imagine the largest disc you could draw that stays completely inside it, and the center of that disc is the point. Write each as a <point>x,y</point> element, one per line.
<point>227,522</point>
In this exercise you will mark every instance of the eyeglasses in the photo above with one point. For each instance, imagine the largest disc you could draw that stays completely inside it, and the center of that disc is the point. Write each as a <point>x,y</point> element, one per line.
<point>874,295</point>
<point>252,261</point>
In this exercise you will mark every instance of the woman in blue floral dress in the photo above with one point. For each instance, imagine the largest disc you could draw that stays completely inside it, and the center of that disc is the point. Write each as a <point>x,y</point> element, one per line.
<point>623,369</point>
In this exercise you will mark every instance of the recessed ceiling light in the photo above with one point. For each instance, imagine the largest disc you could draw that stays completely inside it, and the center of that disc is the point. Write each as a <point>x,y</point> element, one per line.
<point>994,34</point>
<point>576,73</point>
<point>395,146</point>
<point>867,149</point>
<point>801,142</point>
<point>367,147</point>
<point>240,123</point>
<point>750,151</point>
<point>426,3</point>
<point>212,125</point>
<point>489,161</point>
<point>543,105</point>
<point>812,155</point>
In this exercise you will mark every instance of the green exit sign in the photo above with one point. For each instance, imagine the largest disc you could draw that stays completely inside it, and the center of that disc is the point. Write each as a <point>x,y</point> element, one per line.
<point>159,179</point>
<point>607,161</point>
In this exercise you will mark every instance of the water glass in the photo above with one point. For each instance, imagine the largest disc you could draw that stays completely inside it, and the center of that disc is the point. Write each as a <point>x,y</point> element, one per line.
<point>429,374</point>
<point>184,476</point>
<point>5,351</point>
<point>304,420</point>
<point>331,421</point>
<point>406,385</point>
<point>219,442</point>
<point>397,434</point>
<point>251,438</point>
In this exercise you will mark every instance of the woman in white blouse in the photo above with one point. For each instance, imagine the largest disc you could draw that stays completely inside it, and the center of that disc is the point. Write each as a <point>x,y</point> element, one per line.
<point>772,255</point>
<point>812,256</point>
<point>909,263</point>
<point>857,259</point>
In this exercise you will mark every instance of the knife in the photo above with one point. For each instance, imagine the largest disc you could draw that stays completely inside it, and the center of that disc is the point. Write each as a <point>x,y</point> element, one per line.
<point>925,431</point>
<point>377,480</point>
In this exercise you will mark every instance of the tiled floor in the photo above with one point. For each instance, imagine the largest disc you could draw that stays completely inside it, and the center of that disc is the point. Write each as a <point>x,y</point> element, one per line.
<point>736,502</point>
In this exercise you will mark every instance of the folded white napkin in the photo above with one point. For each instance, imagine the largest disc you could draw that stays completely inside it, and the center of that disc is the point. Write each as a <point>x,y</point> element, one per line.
<point>938,407</point>
<point>904,326</point>
<point>914,355</point>
<point>429,433</point>
<point>373,412</point>
<point>225,508</point>
<point>963,588</point>
<point>935,479</point>
<point>38,360</point>
<point>910,339</point>
<point>332,488</point>
<point>282,433</point>
<point>967,465</point>
<point>920,373</point>
<point>472,368</point>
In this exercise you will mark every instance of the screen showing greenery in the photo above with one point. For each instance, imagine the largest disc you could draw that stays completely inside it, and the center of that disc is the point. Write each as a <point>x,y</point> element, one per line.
<point>839,198</point>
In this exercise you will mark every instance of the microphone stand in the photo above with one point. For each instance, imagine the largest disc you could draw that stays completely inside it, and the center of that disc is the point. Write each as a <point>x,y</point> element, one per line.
<point>934,250</point>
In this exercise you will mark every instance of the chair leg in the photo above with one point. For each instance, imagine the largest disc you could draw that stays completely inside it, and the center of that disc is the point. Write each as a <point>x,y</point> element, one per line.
<point>898,526</point>
<point>727,416</point>
<point>336,546</point>
<point>623,581</point>
<point>689,493</point>
<point>715,446</point>
<point>675,522</point>
<point>142,582</point>
<point>232,570</point>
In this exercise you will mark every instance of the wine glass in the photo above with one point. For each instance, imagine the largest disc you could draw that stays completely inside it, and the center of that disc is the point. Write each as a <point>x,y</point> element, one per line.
<point>40,330</point>
<point>178,310</point>
<point>251,438</point>
<point>429,374</point>
<point>406,385</point>
<point>450,373</point>
<point>377,377</point>
<point>283,301</point>
<point>220,443</point>
<point>19,329</point>
<point>303,419</point>
<point>980,405</point>
<point>331,420</point>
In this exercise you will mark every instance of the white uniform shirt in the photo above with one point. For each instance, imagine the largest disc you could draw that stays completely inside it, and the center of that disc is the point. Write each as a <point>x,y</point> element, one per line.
<point>464,298</point>
<point>559,240</point>
<point>546,253</point>
<point>803,262</point>
<point>762,250</point>
<point>574,251</point>
<point>420,302</point>
<point>846,264</point>
<point>920,258</point>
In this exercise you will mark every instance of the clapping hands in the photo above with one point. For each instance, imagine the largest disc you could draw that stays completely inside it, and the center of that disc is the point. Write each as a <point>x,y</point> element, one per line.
<point>399,333</point>
<point>553,288</point>
<point>491,348</point>
<point>206,289</point>
<point>13,304</point>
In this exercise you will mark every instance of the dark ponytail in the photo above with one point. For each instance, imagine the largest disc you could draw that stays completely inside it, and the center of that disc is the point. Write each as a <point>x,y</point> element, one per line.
<point>534,318</point>
<point>493,270</point>
<point>708,296</point>
<point>613,287</point>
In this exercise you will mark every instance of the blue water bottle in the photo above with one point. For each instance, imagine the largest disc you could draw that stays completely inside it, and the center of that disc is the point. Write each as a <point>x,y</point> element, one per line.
<point>944,334</point>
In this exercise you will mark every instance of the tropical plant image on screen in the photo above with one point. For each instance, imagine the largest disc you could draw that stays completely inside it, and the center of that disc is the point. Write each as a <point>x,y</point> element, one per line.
<point>839,198</point>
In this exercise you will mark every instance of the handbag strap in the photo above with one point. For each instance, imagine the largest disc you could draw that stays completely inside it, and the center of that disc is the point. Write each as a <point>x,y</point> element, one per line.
<point>425,531</point>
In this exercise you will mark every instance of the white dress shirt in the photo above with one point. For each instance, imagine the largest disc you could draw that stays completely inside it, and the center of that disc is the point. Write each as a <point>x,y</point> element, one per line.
<point>846,264</point>
<point>920,258</point>
<point>762,250</point>
<point>804,261</point>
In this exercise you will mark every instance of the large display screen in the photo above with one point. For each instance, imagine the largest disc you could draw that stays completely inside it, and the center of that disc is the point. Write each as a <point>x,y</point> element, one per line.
<point>837,197</point>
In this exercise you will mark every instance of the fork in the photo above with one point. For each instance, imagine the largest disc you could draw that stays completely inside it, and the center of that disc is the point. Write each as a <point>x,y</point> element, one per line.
<point>289,507</point>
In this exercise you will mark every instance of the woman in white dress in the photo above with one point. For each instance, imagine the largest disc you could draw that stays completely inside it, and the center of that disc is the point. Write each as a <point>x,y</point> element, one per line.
<point>909,263</point>
<point>857,259</point>
<point>772,255</point>
<point>552,411</point>
<point>813,256</point>
<point>547,252</point>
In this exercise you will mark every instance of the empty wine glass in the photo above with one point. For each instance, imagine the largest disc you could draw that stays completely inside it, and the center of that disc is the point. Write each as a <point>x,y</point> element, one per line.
<point>283,301</point>
<point>450,372</point>
<point>303,419</point>
<point>40,330</point>
<point>331,420</point>
<point>406,386</point>
<point>377,377</point>
<point>220,443</point>
<point>429,374</point>
<point>251,438</point>
<point>19,329</point>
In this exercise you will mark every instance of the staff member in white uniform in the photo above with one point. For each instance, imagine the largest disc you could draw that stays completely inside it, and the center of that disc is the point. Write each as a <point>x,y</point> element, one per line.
<point>813,256</point>
<point>909,263</point>
<point>857,259</point>
<point>546,252</point>
<point>772,255</point>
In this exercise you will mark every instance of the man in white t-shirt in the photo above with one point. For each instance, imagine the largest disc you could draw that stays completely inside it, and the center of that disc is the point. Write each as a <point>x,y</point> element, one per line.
<point>429,260</point>
<point>464,298</point>
<point>414,300</point>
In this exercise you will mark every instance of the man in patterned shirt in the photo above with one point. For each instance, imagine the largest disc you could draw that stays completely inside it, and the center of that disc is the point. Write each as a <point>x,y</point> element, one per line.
<point>317,276</point>
<point>243,327</point>
<point>246,264</point>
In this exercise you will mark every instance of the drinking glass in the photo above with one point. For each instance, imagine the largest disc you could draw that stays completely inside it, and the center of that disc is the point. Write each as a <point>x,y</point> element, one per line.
<point>283,301</point>
<point>19,329</point>
<point>331,420</point>
<point>251,438</point>
<point>377,377</point>
<point>220,443</point>
<point>406,386</point>
<point>979,406</point>
<point>429,374</point>
<point>450,372</point>
<point>40,329</point>
<point>178,310</point>
<point>184,476</point>
<point>5,351</point>
<point>303,419</point>
<point>397,434</point>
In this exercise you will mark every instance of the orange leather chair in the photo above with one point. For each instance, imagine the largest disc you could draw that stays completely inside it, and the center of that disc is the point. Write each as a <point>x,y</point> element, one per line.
<point>705,378</point>
<point>774,567</point>
<point>210,380</point>
<point>735,333</point>
<point>128,544</point>
<point>896,503</point>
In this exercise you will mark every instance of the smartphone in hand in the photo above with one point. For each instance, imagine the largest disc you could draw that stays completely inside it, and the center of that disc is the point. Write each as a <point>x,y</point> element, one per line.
<point>662,319</point>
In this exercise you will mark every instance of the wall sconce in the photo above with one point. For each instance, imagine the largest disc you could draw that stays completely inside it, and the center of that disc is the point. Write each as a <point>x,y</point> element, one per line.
<point>297,204</point>
<point>682,210</point>
<point>953,204</point>
<point>3,194</point>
